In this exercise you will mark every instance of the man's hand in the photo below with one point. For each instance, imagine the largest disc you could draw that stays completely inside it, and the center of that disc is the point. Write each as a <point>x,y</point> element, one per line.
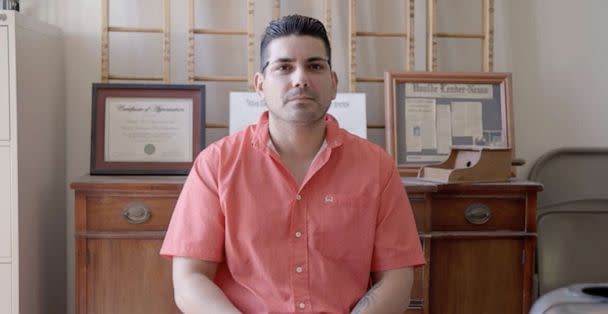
<point>389,294</point>
<point>195,291</point>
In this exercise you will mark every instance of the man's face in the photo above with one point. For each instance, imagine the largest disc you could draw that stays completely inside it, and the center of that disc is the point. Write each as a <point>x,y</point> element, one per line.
<point>297,84</point>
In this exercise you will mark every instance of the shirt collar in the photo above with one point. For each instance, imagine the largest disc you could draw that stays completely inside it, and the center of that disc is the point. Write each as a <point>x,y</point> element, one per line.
<point>333,134</point>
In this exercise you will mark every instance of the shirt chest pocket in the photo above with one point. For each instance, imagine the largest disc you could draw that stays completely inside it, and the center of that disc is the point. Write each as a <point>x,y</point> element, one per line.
<point>343,226</point>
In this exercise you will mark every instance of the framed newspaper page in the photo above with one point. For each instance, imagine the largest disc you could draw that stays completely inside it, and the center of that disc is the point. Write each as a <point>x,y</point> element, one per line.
<point>146,129</point>
<point>428,112</point>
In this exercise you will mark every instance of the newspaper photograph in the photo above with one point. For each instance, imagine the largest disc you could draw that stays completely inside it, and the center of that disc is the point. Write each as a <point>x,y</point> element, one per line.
<point>444,129</point>
<point>420,124</point>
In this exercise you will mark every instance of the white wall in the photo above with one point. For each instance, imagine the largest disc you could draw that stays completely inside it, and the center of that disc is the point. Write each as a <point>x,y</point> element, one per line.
<point>559,74</point>
<point>554,48</point>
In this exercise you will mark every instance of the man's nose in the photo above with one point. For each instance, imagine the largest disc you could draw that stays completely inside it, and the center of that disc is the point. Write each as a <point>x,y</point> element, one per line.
<point>300,77</point>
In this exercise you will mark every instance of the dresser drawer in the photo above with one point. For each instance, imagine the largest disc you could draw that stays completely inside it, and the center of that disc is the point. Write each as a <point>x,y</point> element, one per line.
<point>478,213</point>
<point>420,210</point>
<point>115,212</point>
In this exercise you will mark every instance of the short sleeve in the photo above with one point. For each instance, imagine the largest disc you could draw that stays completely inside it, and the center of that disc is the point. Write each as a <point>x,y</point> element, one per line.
<point>397,243</point>
<point>197,226</point>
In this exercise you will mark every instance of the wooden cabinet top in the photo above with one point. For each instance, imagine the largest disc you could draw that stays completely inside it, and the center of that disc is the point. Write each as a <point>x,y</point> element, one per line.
<point>162,183</point>
<point>415,185</point>
<point>175,183</point>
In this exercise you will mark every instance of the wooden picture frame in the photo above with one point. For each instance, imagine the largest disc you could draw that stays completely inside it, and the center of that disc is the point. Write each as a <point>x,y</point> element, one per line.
<point>146,129</point>
<point>428,112</point>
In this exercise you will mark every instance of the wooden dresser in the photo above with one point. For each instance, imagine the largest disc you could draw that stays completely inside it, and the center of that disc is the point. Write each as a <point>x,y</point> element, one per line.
<point>479,242</point>
<point>120,226</point>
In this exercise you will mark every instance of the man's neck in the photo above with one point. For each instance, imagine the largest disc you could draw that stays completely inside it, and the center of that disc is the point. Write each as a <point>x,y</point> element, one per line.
<point>297,141</point>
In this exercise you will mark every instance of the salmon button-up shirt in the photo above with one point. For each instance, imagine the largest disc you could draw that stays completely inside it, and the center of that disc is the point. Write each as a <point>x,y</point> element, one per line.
<point>285,248</point>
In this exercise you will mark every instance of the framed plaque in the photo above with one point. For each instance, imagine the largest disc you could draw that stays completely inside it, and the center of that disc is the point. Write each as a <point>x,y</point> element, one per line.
<point>428,112</point>
<point>146,129</point>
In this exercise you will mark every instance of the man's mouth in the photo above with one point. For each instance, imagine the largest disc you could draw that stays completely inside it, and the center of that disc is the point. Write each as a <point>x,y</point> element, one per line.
<point>301,97</point>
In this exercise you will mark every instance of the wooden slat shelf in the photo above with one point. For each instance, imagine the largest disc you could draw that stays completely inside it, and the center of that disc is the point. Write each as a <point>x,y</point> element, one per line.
<point>220,78</point>
<point>209,31</point>
<point>369,79</point>
<point>106,29</point>
<point>353,33</point>
<point>459,35</point>
<point>486,36</point>
<point>381,34</point>
<point>122,29</point>
<point>134,78</point>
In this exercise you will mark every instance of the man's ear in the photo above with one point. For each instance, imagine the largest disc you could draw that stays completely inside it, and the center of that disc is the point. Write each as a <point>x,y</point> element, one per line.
<point>334,82</point>
<point>258,84</point>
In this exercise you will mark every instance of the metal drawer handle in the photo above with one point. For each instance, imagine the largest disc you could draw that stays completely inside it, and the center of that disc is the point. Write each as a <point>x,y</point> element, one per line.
<point>136,213</point>
<point>477,214</point>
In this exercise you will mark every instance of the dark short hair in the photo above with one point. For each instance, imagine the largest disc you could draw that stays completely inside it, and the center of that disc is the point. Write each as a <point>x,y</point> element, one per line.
<point>293,25</point>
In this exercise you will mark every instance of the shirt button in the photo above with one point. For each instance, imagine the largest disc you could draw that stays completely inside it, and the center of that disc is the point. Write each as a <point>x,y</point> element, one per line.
<point>301,305</point>
<point>298,234</point>
<point>299,269</point>
<point>298,197</point>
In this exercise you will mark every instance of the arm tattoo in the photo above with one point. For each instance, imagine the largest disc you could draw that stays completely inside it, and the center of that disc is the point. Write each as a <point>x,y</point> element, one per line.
<point>368,299</point>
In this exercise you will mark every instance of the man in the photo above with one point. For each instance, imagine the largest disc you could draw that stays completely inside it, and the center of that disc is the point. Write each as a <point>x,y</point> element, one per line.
<point>293,214</point>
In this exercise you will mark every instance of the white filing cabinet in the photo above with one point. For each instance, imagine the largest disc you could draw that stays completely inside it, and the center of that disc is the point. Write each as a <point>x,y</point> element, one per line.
<point>32,167</point>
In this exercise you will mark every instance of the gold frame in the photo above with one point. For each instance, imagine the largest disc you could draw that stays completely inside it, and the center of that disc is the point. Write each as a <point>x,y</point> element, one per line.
<point>394,84</point>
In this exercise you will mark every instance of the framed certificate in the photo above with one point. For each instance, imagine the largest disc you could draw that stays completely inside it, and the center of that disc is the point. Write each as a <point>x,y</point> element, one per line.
<point>146,129</point>
<point>428,112</point>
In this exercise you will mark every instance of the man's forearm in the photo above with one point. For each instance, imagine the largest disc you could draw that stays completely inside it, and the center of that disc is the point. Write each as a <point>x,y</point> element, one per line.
<point>390,294</point>
<point>198,294</point>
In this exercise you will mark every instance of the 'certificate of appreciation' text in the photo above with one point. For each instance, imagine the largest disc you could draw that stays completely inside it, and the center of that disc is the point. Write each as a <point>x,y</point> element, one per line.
<point>148,130</point>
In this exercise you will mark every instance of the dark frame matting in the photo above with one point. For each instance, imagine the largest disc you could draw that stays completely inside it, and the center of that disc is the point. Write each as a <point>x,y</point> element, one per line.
<point>101,91</point>
<point>496,114</point>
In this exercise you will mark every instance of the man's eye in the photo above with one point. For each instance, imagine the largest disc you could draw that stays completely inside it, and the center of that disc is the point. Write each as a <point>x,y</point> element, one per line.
<point>283,67</point>
<point>317,66</point>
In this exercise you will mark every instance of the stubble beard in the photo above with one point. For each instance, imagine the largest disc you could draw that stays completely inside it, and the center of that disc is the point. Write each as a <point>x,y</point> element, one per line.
<point>300,114</point>
<point>308,112</point>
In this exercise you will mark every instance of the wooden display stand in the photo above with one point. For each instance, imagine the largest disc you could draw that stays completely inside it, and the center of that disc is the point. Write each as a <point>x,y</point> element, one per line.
<point>471,164</point>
